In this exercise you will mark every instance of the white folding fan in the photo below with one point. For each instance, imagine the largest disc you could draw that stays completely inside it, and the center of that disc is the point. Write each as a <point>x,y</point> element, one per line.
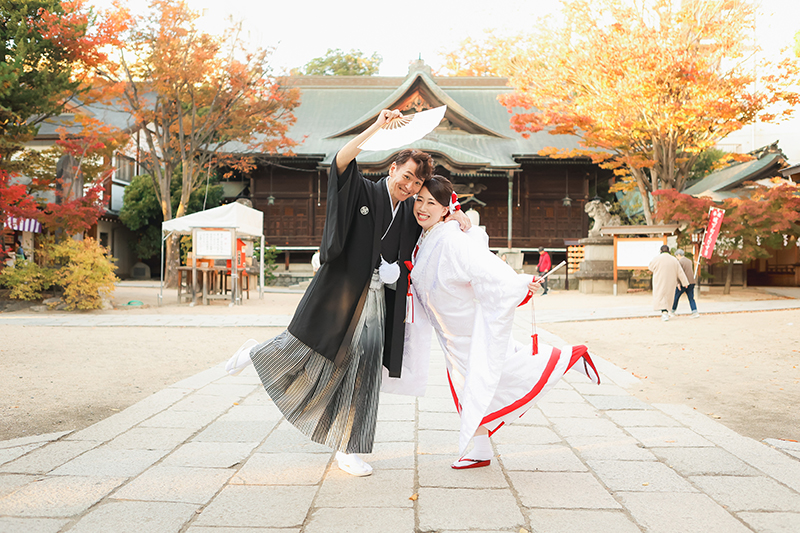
<point>404,130</point>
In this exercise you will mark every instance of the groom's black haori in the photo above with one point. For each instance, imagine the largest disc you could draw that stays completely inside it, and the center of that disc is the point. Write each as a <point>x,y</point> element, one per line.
<point>358,214</point>
<point>324,371</point>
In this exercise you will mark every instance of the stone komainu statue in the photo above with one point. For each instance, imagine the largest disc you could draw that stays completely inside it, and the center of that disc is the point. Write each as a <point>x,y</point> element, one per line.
<point>599,212</point>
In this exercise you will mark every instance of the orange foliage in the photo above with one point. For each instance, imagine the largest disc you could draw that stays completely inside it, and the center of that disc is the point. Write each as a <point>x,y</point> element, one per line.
<point>81,33</point>
<point>766,218</point>
<point>484,56</point>
<point>202,97</point>
<point>200,101</point>
<point>653,84</point>
<point>83,36</point>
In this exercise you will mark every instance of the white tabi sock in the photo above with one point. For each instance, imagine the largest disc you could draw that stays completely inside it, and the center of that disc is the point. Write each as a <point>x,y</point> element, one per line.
<point>482,448</point>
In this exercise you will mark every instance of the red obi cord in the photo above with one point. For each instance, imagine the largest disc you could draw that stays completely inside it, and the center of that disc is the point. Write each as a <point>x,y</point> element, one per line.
<point>409,295</point>
<point>526,300</point>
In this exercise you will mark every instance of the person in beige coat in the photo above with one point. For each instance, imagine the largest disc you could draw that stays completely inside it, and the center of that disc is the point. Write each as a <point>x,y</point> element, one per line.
<point>667,274</point>
<point>686,264</point>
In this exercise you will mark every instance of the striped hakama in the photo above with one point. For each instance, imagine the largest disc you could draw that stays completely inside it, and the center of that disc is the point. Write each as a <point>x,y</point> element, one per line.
<point>334,406</point>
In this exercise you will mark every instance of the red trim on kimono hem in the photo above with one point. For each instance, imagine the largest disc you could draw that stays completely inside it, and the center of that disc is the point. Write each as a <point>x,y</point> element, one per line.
<point>579,352</point>
<point>492,432</point>
<point>453,392</point>
<point>548,371</point>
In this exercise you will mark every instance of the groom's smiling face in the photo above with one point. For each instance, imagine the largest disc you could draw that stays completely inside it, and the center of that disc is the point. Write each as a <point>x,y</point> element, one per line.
<point>403,181</point>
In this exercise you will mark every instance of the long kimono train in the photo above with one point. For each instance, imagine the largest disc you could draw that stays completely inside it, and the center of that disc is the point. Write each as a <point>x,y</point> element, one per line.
<point>467,296</point>
<point>324,371</point>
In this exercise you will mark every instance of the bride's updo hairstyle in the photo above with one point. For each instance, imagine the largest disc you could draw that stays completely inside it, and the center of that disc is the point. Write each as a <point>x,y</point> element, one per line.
<point>440,188</point>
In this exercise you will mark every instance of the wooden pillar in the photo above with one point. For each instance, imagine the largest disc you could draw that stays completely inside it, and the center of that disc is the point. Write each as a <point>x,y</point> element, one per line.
<point>510,205</point>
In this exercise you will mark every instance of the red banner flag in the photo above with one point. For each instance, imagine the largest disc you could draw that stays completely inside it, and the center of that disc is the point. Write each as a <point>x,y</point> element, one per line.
<point>715,216</point>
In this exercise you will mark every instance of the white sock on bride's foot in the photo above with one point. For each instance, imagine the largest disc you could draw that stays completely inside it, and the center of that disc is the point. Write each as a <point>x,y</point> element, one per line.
<point>480,455</point>
<point>482,448</point>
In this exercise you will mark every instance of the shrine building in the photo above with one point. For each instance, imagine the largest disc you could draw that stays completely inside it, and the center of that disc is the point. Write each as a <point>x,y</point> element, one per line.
<point>497,172</point>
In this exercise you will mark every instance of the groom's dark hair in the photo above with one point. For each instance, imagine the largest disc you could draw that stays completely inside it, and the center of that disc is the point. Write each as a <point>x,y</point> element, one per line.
<point>424,162</point>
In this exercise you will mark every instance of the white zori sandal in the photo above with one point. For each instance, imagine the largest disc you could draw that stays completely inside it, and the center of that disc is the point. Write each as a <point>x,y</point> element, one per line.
<point>353,464</point>
<point>241,358</point>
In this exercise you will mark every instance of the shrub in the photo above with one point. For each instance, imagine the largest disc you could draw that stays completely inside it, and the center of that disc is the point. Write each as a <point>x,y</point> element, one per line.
<point>27,280</point>
<point>86,273</point>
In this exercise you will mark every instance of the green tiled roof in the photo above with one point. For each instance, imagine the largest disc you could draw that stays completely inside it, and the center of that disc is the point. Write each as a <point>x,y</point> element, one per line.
<point>735,175</point>
<point>334,108</point>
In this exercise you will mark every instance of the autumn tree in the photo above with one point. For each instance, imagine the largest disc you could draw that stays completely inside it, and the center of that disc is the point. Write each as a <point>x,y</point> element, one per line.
<point>336,62</point>
<point>50,51</point>
<point>768,217</point>
<point>199,99</point>
<point>485,55</point>
<point>797,44</point>
<point>646,86</point>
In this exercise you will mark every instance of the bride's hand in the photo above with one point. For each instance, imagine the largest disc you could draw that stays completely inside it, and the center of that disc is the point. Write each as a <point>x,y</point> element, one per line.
<point>535,284</point>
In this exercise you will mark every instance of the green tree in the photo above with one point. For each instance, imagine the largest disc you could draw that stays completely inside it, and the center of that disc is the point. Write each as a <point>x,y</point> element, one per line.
<point>33,74</point>
<point>141,211</point>
<point>707,162</point>
<point>339,63</point>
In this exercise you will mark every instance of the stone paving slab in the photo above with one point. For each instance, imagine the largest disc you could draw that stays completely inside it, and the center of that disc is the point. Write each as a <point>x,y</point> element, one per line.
<point>359,520</point>
<point>584,521</point>
<point>460,509</point>
<point>544,458</point>
<point>57,496</point>
<point>772,522</point>
<point>32,525</point>
<point>258,506</point>
<point>135,517</point>
<point>175,484</point>
<point>48,457</point>
<point>212,454</point>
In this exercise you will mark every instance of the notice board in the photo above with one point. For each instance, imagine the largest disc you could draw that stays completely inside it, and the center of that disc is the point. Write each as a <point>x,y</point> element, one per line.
<point>636,253</point>
<point>214,244</point>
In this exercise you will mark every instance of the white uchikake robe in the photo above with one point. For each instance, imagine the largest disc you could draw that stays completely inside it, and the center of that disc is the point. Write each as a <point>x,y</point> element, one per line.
<point>468,296</point>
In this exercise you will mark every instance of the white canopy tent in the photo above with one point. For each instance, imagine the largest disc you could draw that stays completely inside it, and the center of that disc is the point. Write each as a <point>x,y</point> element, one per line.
<point>240,219</point>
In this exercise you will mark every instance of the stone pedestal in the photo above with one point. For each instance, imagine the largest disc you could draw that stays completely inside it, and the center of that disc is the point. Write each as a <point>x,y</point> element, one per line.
<point>596,274</point>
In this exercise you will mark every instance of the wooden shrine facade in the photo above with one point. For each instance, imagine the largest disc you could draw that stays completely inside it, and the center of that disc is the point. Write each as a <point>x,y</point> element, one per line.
<point>293,201</point>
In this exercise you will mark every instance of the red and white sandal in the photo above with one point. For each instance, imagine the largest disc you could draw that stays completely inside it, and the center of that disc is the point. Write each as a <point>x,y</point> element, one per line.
<point>464,463</point>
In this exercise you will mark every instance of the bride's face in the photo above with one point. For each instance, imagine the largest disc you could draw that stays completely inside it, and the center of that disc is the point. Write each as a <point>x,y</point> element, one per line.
<point>427,210</point>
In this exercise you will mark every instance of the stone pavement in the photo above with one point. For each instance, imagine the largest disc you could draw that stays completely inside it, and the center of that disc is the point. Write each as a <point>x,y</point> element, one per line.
<point>211,454</point>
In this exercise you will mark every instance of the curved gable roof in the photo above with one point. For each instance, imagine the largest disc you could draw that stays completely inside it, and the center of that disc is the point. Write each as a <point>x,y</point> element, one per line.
<point>421,83</point>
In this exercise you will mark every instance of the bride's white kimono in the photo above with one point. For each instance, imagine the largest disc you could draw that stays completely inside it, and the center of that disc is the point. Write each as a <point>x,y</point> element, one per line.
<point>468,296</point>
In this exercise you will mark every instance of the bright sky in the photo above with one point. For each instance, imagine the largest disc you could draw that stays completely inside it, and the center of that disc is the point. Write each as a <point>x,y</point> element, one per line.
<point>403,31</point>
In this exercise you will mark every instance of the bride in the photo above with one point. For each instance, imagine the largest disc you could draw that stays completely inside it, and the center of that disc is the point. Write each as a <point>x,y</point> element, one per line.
<point>467,296</point>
